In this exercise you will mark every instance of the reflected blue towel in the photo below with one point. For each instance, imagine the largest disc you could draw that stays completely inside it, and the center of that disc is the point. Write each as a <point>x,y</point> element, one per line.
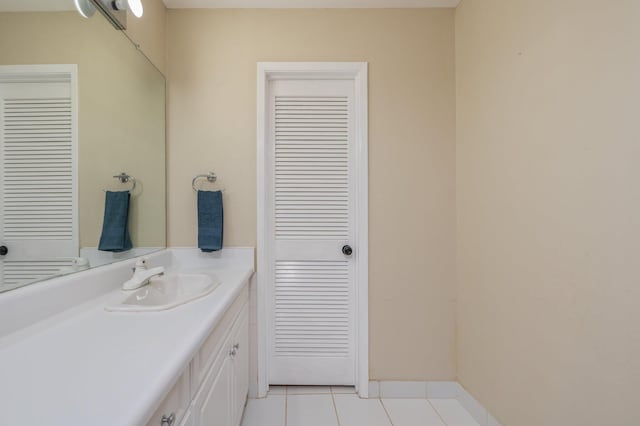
<point>210,220</point>
<point>115,226</point>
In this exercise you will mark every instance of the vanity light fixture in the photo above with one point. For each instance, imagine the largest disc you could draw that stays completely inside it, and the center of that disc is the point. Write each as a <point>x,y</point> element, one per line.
<point>114,10</point>
<point>85,8</point>
<point>135,6</point>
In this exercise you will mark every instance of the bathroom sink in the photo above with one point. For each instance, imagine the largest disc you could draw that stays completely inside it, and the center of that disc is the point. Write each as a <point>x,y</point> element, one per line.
<point>167,292</point>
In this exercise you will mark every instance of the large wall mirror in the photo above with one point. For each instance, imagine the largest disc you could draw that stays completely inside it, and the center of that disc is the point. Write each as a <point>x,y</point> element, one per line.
<point>79,104</point>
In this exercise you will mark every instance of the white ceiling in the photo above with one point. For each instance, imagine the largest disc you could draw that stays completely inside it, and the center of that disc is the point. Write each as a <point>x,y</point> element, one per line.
<point>320,4</point>
<point>54,5</point>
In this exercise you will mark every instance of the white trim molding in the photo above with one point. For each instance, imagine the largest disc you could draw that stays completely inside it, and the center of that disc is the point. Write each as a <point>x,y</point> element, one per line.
<point>356,71</point>
<point>433,390</point>
<point>412,389</point>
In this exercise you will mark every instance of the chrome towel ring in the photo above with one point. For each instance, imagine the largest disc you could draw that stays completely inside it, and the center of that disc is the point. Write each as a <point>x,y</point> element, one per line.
<point>211,177</point>
<point>126,178</point>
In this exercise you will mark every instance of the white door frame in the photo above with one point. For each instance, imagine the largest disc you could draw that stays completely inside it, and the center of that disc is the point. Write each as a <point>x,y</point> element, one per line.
<point>356,71</point>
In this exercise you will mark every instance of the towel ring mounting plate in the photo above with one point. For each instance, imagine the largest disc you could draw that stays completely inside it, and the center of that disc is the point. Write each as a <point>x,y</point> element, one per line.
<point>211,178</point>
<point>126,178</point>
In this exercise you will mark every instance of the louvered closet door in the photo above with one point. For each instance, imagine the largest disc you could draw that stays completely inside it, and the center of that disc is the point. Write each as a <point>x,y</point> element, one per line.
<point>312,290</point>
<point>37,202</point>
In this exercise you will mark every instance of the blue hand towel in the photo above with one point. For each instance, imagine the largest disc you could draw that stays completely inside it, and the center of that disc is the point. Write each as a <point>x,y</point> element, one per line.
<point>210,220</point>
<point>115,228</point>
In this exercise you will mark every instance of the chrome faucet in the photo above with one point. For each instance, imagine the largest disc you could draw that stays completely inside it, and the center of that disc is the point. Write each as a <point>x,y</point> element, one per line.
<point>142,275</point>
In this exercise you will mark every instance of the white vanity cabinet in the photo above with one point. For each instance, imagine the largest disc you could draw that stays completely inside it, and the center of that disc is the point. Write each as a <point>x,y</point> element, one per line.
<point>213,404</point>
<point>221,399</point>
<point>240,370</point>
<point>213,389</point>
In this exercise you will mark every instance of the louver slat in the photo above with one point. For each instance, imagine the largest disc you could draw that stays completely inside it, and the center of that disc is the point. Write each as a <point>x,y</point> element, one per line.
<point>312,308</point>
<point>18,273</point>
<point>311,167</point>
<point>38,167</point>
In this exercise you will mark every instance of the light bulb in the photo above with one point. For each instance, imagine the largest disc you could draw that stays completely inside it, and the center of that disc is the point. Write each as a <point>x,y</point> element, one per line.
<point>85,8</point>
<point>135,6</point>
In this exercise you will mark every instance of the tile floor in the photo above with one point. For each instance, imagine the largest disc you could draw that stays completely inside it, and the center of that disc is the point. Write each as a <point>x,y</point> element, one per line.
<point>340,406</point>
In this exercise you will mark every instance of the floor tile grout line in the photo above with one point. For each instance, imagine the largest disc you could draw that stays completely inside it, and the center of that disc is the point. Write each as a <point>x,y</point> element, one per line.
<point>333,394</point>
<point>385,410</point>
<point>286,405</point>
<point>437,412</point>
<point>335,407</point>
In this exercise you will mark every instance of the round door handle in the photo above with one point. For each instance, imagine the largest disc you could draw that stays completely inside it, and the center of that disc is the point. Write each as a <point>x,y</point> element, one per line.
<point>3,250</point>
<point>347,250</point>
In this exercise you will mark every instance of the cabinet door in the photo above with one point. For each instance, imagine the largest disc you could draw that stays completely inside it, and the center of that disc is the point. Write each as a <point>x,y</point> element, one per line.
<point>187,420</point>
<point>213,403</point>
<point>241,366</point>
<point>175,404</point>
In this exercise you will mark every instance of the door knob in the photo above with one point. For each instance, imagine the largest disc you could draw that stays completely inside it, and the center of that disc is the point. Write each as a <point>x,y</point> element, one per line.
<point>347,250</point>
<point>3,250</point>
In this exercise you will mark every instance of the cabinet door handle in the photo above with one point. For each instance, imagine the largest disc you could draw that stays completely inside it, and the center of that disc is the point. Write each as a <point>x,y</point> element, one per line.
<point>233,352</point>
<point>236,346</point>
<point>168,420</point>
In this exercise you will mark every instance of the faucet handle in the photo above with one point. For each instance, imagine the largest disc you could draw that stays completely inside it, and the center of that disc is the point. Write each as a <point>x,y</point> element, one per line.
<point>141,264</point>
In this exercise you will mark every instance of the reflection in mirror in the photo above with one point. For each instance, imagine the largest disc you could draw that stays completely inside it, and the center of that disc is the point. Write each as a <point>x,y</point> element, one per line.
<point>79,105</point>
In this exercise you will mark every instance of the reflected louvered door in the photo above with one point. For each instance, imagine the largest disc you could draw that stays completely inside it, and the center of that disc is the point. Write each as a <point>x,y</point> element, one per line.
<point>312,318</point>
<point>37,192</point>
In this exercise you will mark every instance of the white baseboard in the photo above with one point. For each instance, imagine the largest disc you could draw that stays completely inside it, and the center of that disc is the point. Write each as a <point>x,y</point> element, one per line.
<point>491,421</point>
<point>397,389</point>
<point>477,410</point>
<point>433,390</point>
<point>390,389</point>
<point>374,389</point>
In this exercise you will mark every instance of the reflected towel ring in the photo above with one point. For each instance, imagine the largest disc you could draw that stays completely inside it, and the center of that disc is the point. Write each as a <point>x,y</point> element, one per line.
<point>211,177</point>
<point>125,178</point>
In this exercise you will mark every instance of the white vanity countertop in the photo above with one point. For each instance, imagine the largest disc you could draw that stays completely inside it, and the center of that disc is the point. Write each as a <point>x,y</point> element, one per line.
<point>90,367</point>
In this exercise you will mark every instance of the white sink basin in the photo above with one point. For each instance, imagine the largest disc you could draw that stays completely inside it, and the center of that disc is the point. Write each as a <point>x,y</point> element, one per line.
<point>167,292</point>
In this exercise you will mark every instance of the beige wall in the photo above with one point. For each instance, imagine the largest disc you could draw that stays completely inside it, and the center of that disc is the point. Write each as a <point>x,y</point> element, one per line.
<point>548,96</point>
<point>121,112</point>
<point>150,32</point>
<point>212,126</point>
